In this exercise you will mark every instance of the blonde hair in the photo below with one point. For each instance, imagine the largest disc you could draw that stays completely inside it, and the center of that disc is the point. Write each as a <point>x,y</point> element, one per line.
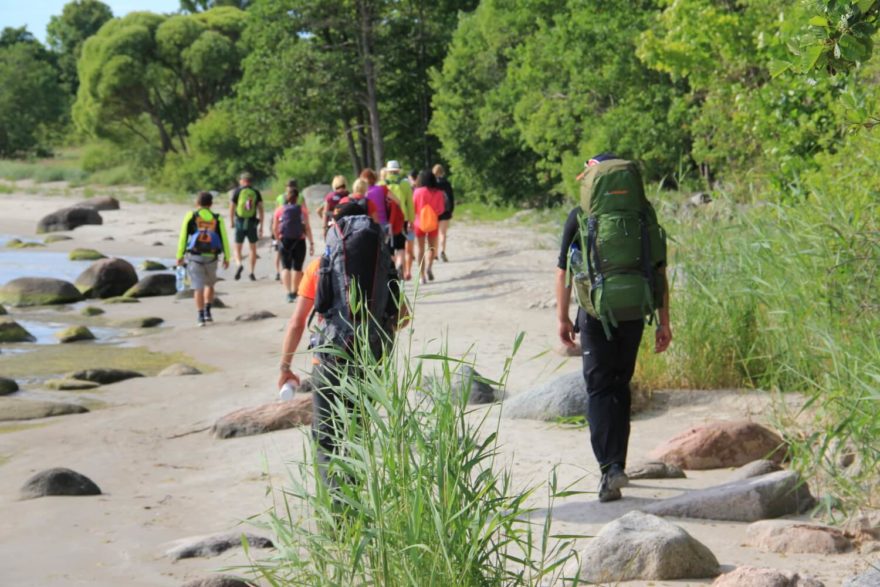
<point>438,170</point>
<point>360,186</point>
<point>338,182</point>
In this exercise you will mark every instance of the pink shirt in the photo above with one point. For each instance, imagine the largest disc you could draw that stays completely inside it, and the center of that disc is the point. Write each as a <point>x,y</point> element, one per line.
<point>435,198</point>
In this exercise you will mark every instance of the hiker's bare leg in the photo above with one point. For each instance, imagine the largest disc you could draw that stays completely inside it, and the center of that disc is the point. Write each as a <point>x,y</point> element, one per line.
<point>285,280</point>
<point>408,259</point>
<point>209,294</point>
<point>199,296</point>
<point>420,255</point>
<point>237,254</point>
<point>252,260</point>
<point>432,250</point>
<point>444,227</point>
<point>297,279</point>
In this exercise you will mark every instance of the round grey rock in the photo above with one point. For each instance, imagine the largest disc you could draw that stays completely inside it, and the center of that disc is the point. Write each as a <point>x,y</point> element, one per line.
<point>68,219</point>
<point>106,278</point>
<point>7,386</point>
<point>104,376</point>
<point>563,397</point>
<point>27,409</point>
<point>655,470</point>
<point>101,203</point>
<point>58,481</point>
<point>12,331</point>
<point>214,545</point>
<point>38,291</point>
<point>157,284</point>
<point>755,469</point>
<point>465,380</point>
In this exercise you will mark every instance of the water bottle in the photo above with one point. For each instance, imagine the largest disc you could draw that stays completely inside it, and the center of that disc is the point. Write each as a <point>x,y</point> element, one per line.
<point>287,391</point>
<point>180,283</point>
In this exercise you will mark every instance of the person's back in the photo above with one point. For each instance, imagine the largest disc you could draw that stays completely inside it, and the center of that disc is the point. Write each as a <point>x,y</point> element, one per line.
<point>377,194</point>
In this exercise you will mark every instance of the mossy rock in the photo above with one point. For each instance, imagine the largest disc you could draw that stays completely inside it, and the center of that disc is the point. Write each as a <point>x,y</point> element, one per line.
<point>75,334</point>
<point>12,331</point>
<point>7,386</point>
<point>3,311</point>
<point>122,300</point>
<point>38,291</point>
<point>91,311</point>
<point>149,265</point>
<point>68,384</point>
<point>104,376</point>
<point>146,322</point>
<point>86,255</point>
<point>155,284</point>
<point>17,243</point>
<point>24,409</point>
<point>56,238</point>
<point>47,361</point>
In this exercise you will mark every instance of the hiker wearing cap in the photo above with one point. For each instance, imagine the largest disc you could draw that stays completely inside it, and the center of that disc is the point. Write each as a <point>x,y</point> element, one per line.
<point>428,204</point>
<point>613,258</point>
<point>446,218</point>
<point>331,200</point>
<point>402,240</point>
<point>246,217</point>
<point>202,239</point>
<point>291,229</point>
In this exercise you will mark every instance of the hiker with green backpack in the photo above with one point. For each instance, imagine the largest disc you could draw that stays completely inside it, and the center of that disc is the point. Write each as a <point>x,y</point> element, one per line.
<point>613,258</point>
<point>246,217</point>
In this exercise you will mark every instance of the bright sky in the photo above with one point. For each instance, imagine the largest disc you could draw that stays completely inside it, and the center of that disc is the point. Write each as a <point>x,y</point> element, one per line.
<point>35,14</point>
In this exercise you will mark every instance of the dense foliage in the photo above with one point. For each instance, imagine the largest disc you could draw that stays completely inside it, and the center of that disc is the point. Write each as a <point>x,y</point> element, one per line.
<point>66,33</point>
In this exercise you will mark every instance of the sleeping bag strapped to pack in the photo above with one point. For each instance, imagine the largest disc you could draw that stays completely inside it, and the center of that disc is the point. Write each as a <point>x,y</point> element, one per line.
<point>354,287</point>
<point>614,266</point>
<point>246,205</point>
<point>204,235</point>
<point>290,224</point>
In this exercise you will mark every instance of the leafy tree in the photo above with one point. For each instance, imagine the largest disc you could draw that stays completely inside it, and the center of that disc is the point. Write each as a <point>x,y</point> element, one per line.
<point>151,76</point>
<point>31,99</point>
<point>66,33</point>
<point>203,5</point>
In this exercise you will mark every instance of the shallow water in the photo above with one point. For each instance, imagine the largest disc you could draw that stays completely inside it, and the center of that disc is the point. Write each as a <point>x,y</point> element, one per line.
<point>39,262</point>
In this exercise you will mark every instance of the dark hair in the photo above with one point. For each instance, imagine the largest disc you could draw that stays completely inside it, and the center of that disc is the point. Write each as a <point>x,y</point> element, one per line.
<point>205,199</point>
<point>293,196</point>
<point>349,208</point>
<point>427,179</point>
<point>291,183</point>
<point>369,175</point>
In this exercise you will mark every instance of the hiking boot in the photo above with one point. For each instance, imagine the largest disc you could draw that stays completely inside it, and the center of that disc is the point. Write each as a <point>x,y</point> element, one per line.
<point>291,297</point>
<point>617,478</point>
<point>238,272</point>
<point>606,492</point>
<point>443,257</point>
<point>252,277</point>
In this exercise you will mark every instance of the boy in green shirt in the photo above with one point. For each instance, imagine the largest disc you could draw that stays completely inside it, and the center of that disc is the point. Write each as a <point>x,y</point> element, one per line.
<point>202,238</point>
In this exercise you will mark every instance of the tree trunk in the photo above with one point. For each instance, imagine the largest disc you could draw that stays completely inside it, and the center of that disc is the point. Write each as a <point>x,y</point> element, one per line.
<point>366,153</point>
<point>352,149</point>
<point>365,40</point>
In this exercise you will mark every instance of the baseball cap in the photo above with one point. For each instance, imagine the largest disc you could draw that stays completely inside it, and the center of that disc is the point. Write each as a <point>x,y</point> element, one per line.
<point>244,175</point>
<point>393,165</point>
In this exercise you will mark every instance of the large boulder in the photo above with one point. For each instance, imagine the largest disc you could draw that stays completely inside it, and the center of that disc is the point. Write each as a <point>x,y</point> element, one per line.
<point>25,409</point>
<point>758,498</point>
<point>12,331</point>
<point>563,397</point>
<point>265,418</point>
<point>721,444</point>
<point>38,291</point>
<point>787,537</point>
<point>74,334</point>
<point>58,481</point>
<point>7,386</point>
<point>107,278</point>
<point>755,577</point>
<point>214,545</point>
<point>640,546</point>
<point>755,469</point>
<point>104,376</point>
<point>100,203</point>
<point>870,578</point>
<point>157,284</point>
<point>68,219</point>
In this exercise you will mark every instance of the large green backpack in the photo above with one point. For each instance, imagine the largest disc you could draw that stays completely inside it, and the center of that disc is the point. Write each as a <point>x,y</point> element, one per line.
<point>621,246</point>
<point>247,203</point>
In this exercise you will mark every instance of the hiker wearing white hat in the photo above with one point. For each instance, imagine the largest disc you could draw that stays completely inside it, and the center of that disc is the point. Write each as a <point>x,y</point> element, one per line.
<point>401,191</point>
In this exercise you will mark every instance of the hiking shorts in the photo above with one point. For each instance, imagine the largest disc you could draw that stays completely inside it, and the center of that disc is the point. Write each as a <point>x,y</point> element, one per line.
<point>398,241</point>
<point>202,271</point>
<point>293,253</point>
<point>445,216</point>
<point>246,228</point>
<point>432,234</point>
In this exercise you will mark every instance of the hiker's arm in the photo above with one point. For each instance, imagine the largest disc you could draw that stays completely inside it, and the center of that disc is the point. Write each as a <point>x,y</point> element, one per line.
<point>231,213</point>
<point>663,335</point>
<point>308,230</point>
<point>292,337</point>
<point>320,211</point>
<point>261,212</point>
<point>181,242</point>
<point>224,237</point>
<point>563,300</point>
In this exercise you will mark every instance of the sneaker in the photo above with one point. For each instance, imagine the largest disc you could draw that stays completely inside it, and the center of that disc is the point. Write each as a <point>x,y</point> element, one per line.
<point>252,277</point>
<point>606,492</point>
<point>277,277</point>
<point>430,275</point>
<point>443,257</point>
<point>617,478</point>
<point>238,273</point>
<point>208,317</point>
<point>201,321</point>
<point>291,297</point>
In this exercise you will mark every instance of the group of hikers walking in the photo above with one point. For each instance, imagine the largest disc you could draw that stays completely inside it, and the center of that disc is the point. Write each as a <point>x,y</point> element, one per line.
<point>612,257</point>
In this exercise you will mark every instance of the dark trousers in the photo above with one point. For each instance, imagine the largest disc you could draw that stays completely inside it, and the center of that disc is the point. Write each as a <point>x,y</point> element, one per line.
<point>608,368</point>
<point>327,428</point>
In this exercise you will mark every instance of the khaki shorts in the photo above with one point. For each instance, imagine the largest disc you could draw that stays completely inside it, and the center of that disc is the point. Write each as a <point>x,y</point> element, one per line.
<point>202,272</point>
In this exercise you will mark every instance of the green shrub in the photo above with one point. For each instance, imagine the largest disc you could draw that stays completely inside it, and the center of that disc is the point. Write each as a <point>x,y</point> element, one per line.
<point>422,500</point>
<point>312,160</point>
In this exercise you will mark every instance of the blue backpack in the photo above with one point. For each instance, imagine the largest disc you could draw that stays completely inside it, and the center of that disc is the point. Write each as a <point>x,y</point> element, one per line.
<point>290,224</point>
<point>204,237</point>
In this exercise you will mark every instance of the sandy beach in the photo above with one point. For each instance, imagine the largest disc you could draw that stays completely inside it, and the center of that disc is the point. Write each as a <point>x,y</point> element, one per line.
<point>164,477</point>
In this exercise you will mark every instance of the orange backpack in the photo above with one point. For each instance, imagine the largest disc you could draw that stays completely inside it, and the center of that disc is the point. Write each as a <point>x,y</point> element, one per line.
<point>428,221</point>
